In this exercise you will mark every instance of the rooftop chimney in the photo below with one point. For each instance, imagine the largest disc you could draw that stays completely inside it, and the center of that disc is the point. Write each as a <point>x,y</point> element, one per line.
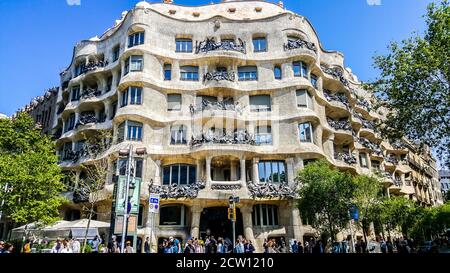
<point>280,4</point>
<point>168,1</point>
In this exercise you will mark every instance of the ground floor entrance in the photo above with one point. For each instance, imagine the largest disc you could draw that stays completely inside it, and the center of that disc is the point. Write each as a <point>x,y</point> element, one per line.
<point>214,222</point>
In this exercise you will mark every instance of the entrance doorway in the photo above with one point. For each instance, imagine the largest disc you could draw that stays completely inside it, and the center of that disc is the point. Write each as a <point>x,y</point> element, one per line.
<point>214,221</point>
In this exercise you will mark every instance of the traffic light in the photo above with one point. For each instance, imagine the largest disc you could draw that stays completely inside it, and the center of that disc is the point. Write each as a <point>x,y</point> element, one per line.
<point>232,214</point>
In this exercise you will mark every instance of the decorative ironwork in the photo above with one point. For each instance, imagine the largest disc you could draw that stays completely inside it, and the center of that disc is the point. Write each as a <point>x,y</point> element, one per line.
<point>339,97</point>
<point>239,137</point>
<point>346,157</point>
<point>398,182</point>
<point>363,104</point>
<point>340,125</point>
<point>367,123</point>
<point>336,73</point>
<point>210,44</point>
<point>391,160</point>
<point>272,190</point>
<point>81,195</point>
<point>90,93</point>
<point>175,191</point>
<point>92,66</point>
<point>219,76</point>
<point>398,145</point>
<point>299,43</point>
<point>86,118</point>
<point>224,187</point>
<point>217,105</point>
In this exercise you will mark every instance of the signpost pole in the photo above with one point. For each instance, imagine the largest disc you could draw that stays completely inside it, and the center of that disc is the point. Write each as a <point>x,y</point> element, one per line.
<point>125,209</point>
<point>153,209</point>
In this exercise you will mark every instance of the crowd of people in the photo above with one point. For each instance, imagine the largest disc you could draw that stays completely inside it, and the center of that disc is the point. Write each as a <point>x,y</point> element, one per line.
<point>209,245</point>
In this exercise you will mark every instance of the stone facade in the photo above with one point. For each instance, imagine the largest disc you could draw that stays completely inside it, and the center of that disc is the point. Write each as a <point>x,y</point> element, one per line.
<point>177,81</point>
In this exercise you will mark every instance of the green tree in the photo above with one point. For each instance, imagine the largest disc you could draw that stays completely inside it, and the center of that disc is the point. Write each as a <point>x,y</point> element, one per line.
<point>414,84</point>
<point>29,172</point>
<point>397,213</point>
<point>367,197</point>
<point>326,193</point>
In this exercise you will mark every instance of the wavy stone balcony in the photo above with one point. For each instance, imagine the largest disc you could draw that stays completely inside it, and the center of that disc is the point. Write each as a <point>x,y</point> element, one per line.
<point>375,148</point>
<point>211,45</point>
<point>90,93</point>
<point>272,190</point>
<point>91,66</point>
<point>299,43</point>
<point>338,97</point>
<point>348,158</point>
<point>88,119</point>
<point>336,73</point>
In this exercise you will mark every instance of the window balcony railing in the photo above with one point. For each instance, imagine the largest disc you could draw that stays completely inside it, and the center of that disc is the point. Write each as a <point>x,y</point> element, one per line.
<point>335,73</point>
<point>237,138</point>
<point>92,66</point>
<point>211,45</point>
<point>219,76</point>
<point>272,190</point>
<point>368,124</point>
<point>339,97</point>
<point>346,157</point>
<point>176,191</point>
<point>398,145</point>
<point>370,145</point>
<point>86,119</point>
<point>398,182</point>
<point>299,43</point>
<point>90,93</point>
<point>340,125</point>
<point>391,159</point>
<point>363,104</point>
<point>215,106</point>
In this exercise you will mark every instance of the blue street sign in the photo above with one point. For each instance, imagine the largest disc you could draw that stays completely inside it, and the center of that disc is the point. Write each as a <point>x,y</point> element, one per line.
<point>129,207</point>
<point>354,213</point>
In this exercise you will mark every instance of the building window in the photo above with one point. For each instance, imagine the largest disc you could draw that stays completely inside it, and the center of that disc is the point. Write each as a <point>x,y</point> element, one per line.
<point>124,98</point>
<point>78,70</point>
<point>172,215</point>
<point>178,135</point>
<point>134,63</point>
<point>375,165</point>
<point>259,44</point>
<point>167,72</point>
<point>174,102</point>
<point>109,83</point>
<point>189,73</point>
<point>138,168</point>
<point>135,95</point>
<point>136,39</point>
<point>248,73</point>
<point>314,80</point>
<point>263,135</point>
<point>306,132</point>
<point>133,131</point>
<point>75,93</point>
<point>179,174</point>
<point>70,122</point>
<point>304,99</point>
<point>138,163</point>
<point>363,160</point>
<point>260,103</point>
<point>116,53</point>
<point>265,215</point>
<point>183,45</point>
<point>272,172</point>
<point>300,69</point>
<point>277,72</point>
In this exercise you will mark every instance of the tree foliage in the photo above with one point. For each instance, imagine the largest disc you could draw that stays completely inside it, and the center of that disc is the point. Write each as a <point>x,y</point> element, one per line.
<point>29,170</point>
<point>414,83</point>
<point>326,193</point>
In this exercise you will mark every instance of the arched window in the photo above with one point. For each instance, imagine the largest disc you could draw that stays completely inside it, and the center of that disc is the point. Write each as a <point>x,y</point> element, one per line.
<point>180,174</point>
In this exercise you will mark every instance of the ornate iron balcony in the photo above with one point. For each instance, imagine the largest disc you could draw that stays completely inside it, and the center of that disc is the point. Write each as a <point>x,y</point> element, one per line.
<point>391,160</point>
<point>272,190</point>
<point>219,76</point>
<point>346,157</point>
<point>175,191</point>
<point>219,105</point>
<point>339,97</point>
<point>226,187</point>
<point>237,138</point>
<point>363,104</point>
<point>210,44</point>
<point>92,66</point>
<point>335,73</point>
<point>340,125</point>
<point>398,182</point>
<point>368,124</point>
<point>90,93</point>
<point>398,145</point>
<point>86,119</point>
<point>300,44</point>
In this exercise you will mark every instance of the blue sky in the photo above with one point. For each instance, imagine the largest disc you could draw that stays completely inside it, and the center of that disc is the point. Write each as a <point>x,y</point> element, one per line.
<point>37,36</point>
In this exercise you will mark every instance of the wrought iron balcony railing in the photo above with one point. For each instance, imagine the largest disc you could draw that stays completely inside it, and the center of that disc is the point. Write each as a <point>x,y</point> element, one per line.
<point>340,125</point>
<point>90,93</point>
<point>217,106</point>
<point>237,138</point>
<point>398,145</point>
<point>368,124</point>
<point>86,119</point>
<point>335,73</point>
<point>92,66</point>
<point>272,190</point>
<point>219,76</point>
<point>346,157</point>
<point>176,191</point>
<point>339,97</point>
<point>291,44</point>
<point>391,159</point>
<point>398,182</point>
<point>210,44</point>
<point>363,104</point>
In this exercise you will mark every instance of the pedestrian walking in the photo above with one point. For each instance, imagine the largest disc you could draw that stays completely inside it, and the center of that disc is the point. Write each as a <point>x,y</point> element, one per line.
<point>147,245</point>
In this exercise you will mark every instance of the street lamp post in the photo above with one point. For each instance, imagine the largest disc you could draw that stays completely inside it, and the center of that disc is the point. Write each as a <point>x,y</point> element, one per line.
<point>127,200</point>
